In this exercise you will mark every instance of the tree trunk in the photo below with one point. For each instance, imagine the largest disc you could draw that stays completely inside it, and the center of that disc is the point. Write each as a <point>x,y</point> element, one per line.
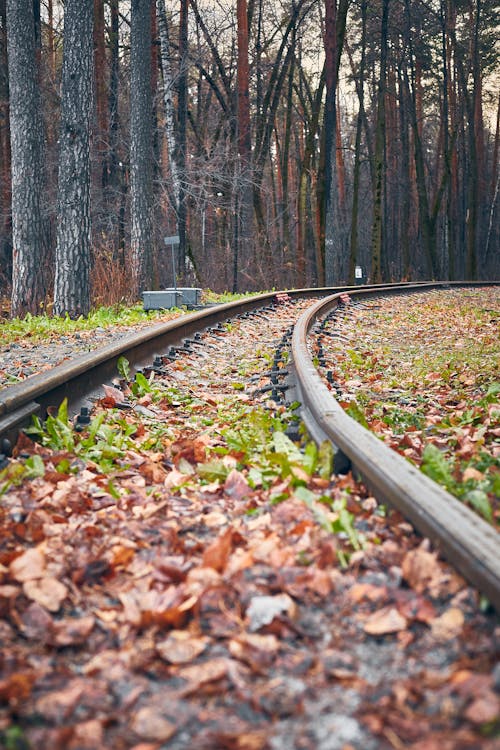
<point>5,172</point>
<point>168,101</point>
<point>141,146</point>
<point>101,131</point>
<point>72,279</point>
<point>26,132</point>
<point>333,232</point>
<point>353,255</point>
<point>245,213</point>
<point>377,224</point>
<point>182,111</point>
<point>115,185</point>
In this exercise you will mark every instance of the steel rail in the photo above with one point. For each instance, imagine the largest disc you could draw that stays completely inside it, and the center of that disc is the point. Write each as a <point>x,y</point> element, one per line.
<point>470,544</point>
<point>80,379</point>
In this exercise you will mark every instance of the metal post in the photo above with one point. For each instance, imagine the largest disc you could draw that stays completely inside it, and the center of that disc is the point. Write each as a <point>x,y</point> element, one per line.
<point>173,271</point>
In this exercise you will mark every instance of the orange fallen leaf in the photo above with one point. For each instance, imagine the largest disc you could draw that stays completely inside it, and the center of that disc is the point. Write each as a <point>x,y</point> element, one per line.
<point>216,555</point>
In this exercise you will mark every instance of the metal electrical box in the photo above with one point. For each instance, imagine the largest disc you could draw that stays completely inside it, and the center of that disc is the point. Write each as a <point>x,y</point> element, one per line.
<point>163,299</point>
<point>190,295</point>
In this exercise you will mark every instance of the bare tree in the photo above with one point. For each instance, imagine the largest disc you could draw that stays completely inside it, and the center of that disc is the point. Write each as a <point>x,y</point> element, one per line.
<point>26,131</point>
<point>141,148</point>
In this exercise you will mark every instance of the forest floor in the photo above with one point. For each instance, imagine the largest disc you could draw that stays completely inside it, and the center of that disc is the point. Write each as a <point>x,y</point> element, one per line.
<point>181,575</point>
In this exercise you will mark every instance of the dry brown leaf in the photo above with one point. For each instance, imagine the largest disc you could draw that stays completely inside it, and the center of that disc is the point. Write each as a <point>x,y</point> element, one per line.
<point>484,709</point>
<point>449,625</point>
<point>471,473</point>
<point>180,647</point>
<point>29,565</point>
<point>385,621</point>
<point>150,724</point>
<point>200,674</point>
<point>72,631</point>
<point>88,735</point>
<point>217,554</point>
<point>48,592</point>
<point>420,568</point>
<point>58,705</point>
<point>236,486</point>
<point>259,651</point>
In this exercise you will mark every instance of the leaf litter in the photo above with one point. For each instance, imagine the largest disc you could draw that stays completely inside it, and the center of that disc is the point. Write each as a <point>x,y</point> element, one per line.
<point>187,576</point>
<point>422,372</point>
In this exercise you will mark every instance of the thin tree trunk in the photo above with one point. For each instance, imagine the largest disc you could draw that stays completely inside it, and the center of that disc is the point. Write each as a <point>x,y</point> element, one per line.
<point>26,132</point>
<point>181,156</point>
<point>141,146</point>
<point>353,255</point>
<point>333,232</point>
<point>115,186</point>
<point>5,168</point>
<point>168,101</point>
<point>377,224</point>
<point>245,214</point>
<point>72,279</point>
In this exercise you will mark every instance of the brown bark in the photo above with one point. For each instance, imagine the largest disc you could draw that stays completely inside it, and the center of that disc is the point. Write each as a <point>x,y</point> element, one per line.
<point>244,216</point>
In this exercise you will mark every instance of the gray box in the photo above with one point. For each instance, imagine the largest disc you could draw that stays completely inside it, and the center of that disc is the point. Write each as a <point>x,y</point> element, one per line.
<point>190,295</point>
<point>162,300</point>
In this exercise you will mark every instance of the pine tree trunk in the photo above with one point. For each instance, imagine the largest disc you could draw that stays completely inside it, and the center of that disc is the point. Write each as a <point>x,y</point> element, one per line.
<point>168,100</point>
<point>141,146</point>
<point>334,229</point>
<point>353,255</point>
<point>27,161</point>
<point>5,178</point>
<point>72,280</point>
<point>182,114</point>
<point>245,203</point>
<point>377,224</point>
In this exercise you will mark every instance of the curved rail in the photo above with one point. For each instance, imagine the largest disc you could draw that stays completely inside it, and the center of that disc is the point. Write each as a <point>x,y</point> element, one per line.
<point>471,545</point>
<point>80,378</point>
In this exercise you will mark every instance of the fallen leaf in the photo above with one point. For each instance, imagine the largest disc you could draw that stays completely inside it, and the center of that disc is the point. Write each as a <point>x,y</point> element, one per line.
<point>263,609</point>
<point>217,554</point>
<point>16,687</point>
<point>419,568</point>
<point>201,674</point>
<point>236,486</point>
<point>180,647</point>
<point>48,592</point>
<point>448,625</point>
<point>29,565</point>
<point>72,631</point>
<point>258,651</point>
<point>484,709</point>
<point>150,724</point>
<point>471,473</point>
<point>385,621</point>
<point>58,705</point>
<point>113,395</point>
<point>88,735</point>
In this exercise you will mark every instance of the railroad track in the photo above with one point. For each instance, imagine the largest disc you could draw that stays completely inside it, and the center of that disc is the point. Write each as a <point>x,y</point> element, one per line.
<point>469,543</point>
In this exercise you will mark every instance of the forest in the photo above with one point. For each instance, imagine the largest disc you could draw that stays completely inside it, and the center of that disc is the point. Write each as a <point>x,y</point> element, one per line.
<point>282,144</point>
